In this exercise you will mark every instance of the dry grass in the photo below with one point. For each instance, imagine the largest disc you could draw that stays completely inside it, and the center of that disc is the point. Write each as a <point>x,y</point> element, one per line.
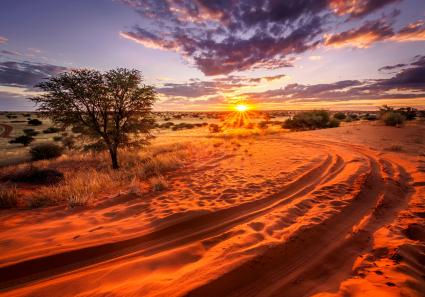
<point>8,198</point>
<point>395,148</point>
<point>246,133</point>
<point>88,175</point>
<point>158,183</point>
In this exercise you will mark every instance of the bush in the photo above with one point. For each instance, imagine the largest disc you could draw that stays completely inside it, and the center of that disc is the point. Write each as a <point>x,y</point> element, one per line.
<point>30,132</point>
<point>51,130</point>
<point>262,125</point>
<point>34,175</point>
<point>68,142</point>
<point>393,118</point>
<point>166,125</point>
<point>370,117</point>
<point>310,120</point>
<point>214,128</point>
<point>46,151</point>
<point>23,139</point>
<point>8,198</point>
<point>57,138</point>
<point>35,122</point>
<point>182,126</point>
<point>339,116</point>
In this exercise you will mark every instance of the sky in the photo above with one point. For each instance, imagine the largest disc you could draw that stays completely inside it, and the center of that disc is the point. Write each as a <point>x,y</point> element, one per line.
<point>208,55</point>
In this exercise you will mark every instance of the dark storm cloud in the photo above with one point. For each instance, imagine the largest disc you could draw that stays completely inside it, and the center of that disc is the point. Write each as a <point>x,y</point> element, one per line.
<point>223,36</point>
<point>26,74</point>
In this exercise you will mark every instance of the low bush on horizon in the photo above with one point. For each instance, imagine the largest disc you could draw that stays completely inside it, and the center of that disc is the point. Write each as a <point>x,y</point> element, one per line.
<point>310,120</point>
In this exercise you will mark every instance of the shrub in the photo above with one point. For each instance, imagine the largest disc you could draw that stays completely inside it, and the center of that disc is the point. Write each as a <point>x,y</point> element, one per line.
<point>166,125</point>
<point>35,122</point>
<point>393,118</point>
<point>30,132</point>
<point>262,125</point>
<point>8,198</point>
<point>409,113</point>
<point>68,142</point>
<point>57,138</point>
<point>45,151</point>
<point>370,117</point>
<point>309,120</point>
<point>214,128</point>
<point>23,139</point>
<point>51,130</point>
<point>34,175</point>
<point>182,126</point>
<point>340,116</point>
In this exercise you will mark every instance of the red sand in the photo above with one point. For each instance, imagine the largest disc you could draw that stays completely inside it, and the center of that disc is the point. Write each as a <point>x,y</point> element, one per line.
<point>323,213</point>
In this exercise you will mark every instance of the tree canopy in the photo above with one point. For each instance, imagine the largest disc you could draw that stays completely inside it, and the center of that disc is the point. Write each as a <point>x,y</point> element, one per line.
<point>114,107</point>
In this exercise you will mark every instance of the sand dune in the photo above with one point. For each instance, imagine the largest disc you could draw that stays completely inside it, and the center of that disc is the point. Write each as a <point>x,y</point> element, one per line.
<point>322,213</point>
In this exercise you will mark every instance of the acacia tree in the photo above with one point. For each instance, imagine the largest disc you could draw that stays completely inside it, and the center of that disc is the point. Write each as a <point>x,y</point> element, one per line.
<point>114,107</point>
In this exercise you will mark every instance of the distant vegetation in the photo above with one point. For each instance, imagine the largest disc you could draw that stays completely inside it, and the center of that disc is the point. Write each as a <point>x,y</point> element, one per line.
<point>397,117</point>
<point>45,151</point>
<point>310,120</point>
<point>23,139</point>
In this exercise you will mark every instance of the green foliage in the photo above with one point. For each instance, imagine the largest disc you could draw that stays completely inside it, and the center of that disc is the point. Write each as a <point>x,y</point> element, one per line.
<point>113,107</point>
<point>23,139</point>
<point>310,120</point>
<point>45,151</point>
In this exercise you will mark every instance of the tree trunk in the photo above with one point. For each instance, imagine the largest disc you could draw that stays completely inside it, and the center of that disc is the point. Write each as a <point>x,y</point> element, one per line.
<point>114,157</point>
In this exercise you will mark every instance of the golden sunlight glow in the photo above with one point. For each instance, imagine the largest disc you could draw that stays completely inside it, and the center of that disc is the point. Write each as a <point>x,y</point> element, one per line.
<point>241,107</point>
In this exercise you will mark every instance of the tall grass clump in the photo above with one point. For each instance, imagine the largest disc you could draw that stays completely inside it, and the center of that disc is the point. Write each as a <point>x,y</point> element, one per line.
<point>8,198</point>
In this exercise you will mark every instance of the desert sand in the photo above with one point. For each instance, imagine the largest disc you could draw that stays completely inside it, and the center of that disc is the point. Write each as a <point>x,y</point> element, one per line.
<point>335,212</point>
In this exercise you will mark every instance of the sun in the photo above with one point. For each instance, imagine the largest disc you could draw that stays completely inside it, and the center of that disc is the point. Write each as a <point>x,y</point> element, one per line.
<point>241,107</point>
